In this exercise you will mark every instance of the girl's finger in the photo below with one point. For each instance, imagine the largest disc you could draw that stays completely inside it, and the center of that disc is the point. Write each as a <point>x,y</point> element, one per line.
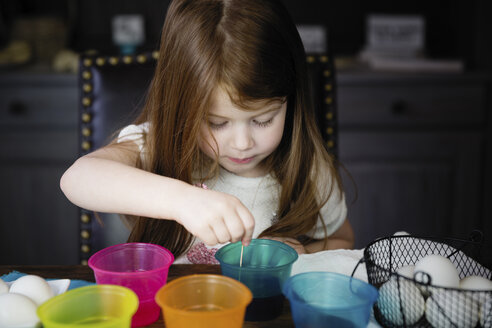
<point>248,222</point>
<point>221,231</point>
<point>235,227</point>
<point>208,236</point>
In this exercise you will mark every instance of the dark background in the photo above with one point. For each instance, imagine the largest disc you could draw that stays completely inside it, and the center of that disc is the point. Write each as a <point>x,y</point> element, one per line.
<point>454,29</point>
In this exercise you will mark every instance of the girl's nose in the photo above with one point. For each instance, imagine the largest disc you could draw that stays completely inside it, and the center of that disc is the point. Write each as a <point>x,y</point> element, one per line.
<point>242,138</point>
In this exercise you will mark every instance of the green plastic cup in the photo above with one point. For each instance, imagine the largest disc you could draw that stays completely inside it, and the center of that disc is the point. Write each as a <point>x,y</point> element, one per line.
<point>96,306</point>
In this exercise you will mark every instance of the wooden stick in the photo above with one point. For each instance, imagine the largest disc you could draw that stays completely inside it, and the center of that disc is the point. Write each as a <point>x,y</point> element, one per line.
<point>241,259</point>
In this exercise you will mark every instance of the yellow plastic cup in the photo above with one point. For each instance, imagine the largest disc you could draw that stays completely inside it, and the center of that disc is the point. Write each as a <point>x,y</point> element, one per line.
<point>95,306</point>
<point>205,301</point>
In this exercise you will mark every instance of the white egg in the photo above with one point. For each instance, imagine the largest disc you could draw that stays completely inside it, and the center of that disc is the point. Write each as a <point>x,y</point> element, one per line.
<point>476,283</point>
<point>34,287</point>
<point>406,271</point>
<point>440,269</point>
<point>393,293</point>
<point>3,287</point>
<point>448,308</point>
<point>17,310</point>
<point>476,287</point>
<point>486,313</point>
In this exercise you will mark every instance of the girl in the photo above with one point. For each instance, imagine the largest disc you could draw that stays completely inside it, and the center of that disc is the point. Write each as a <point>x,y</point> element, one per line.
<point>228,111</point>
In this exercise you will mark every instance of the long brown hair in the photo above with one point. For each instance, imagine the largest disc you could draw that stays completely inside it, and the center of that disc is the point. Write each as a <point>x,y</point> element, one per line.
<point>253,48</point>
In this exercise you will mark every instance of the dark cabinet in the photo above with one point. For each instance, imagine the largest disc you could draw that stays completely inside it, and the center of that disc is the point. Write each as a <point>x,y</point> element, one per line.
<point>413,149</point>
<point>38,141</point>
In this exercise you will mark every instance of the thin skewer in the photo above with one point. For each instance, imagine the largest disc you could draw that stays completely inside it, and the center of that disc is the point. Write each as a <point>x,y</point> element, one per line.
<point>241,258</point>
<point>240,262</point>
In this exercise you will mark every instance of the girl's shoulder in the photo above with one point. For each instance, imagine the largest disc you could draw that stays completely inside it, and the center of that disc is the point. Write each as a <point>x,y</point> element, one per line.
<point>135,133</point>
<point>134,129</point>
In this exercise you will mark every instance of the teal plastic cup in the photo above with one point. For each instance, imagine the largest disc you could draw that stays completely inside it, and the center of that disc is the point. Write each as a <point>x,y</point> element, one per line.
<point>266,265</point>
<point>328,299</point>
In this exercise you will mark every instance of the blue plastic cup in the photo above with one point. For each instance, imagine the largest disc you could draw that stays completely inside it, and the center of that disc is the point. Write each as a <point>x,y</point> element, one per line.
<point>328,299</point>
<point>266,265</point>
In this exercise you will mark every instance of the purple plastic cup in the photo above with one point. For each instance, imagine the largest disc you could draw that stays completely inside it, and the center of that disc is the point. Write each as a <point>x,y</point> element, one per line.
<point>142,267</point>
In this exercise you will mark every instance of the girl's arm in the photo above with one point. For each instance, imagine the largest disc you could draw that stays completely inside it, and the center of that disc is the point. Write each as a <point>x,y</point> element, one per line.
<point>108,181</point>
<point>343,238</point>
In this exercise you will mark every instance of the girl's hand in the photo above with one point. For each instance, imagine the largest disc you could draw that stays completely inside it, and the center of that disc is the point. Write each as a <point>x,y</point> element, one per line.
<point>215,217</point>
<point>294,243</point>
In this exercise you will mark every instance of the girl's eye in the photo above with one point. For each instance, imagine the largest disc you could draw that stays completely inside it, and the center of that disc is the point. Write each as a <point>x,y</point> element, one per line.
<point>263,124</point>
<point>217,126</point>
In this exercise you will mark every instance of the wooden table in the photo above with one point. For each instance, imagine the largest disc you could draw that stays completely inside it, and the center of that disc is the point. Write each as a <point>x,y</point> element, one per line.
<point>177,270</point>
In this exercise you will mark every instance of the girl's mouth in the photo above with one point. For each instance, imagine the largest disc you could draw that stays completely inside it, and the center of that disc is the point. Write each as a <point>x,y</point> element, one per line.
<point>241,160</point>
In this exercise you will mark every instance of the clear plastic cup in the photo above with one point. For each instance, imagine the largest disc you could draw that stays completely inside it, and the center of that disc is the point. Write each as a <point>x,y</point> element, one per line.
<point>266,265</point>
<point>328,299</point>
<point>142,267</point>
<point>95,306</point>
<point>204,301</point>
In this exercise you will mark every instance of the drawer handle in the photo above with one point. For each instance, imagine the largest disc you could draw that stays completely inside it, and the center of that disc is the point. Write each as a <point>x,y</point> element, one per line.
<point>399,107</point>
<point>17,108</point>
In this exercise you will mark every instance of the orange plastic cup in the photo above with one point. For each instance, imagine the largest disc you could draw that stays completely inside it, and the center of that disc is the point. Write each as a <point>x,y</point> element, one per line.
<point>204,300</point>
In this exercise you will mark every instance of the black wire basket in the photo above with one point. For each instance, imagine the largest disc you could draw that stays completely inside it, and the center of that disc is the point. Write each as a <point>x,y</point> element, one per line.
<point>406,301</point>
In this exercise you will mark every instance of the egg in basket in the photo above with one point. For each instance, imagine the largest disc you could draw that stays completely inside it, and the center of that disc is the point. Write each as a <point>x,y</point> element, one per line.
<point>429,282</point>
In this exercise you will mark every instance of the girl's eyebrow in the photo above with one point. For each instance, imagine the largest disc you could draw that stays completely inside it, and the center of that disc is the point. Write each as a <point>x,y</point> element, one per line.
<point>270,108</point>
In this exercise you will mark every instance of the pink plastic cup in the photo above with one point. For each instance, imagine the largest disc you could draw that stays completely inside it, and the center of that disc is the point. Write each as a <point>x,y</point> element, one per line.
<point>142,267</point>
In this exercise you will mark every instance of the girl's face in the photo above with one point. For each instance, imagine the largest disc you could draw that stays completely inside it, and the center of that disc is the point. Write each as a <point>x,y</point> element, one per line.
<point>244,138</point>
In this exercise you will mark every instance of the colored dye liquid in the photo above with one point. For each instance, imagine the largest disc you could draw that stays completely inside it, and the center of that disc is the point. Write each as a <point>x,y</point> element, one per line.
<point>147,313</point>
<point>265,308</point>
<point>324,321</point>
<point>204,308</point>
<point>340,323</point>
<point>94,320</point>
